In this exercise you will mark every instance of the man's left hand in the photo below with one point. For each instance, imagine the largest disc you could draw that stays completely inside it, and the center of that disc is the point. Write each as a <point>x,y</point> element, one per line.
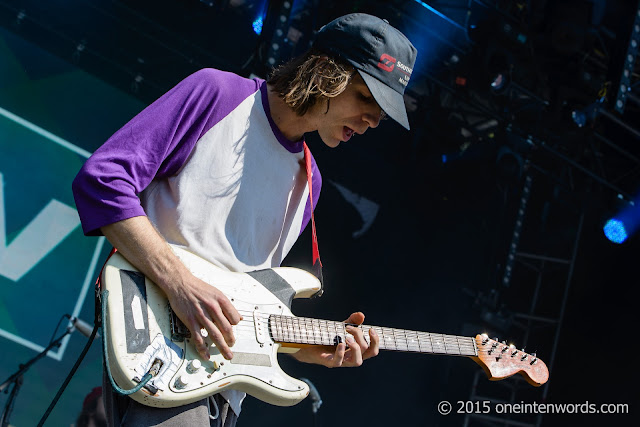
<point>352,353</point>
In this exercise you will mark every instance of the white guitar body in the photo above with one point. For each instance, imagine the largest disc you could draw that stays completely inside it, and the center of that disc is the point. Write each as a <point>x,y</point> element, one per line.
<point>138,332</point>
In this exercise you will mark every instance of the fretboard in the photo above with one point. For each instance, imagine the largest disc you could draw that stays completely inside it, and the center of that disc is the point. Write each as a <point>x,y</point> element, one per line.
<point>304,330</point>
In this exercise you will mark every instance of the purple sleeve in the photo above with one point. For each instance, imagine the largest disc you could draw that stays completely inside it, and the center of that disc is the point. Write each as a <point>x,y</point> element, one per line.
<point>154,144</point>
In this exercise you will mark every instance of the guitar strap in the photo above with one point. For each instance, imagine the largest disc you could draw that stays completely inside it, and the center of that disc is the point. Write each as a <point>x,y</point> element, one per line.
<point>317,264</point>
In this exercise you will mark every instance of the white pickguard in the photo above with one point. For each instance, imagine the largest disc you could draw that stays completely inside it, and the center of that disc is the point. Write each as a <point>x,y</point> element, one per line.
<point>254,367</point>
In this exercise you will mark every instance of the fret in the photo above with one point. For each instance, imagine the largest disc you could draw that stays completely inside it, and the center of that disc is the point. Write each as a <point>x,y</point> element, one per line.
<point>279,327</point>
<point>314,335</point>
<point>330,334</point>
<point>275,328</point>
<point>395,339</point>
<point>452,345</point>
<point>318,323</point>
<point>295,330</point>
<point>389,339</point>
<point>403,346</point>
<point>297,327</point>
<point>272,328</point>
<point>343,331</point>
<point>334,334</point>
<point>304,327</point>
<point>413,342</point>
<point>285,330</point>
<point>300,328</point>
<point>437,343</point>
<point>425,343</point>
<point>324,332</point>
<point>317,335</point>
<point>278,323</point>
<point>307,331</point>
<point>291,335</point>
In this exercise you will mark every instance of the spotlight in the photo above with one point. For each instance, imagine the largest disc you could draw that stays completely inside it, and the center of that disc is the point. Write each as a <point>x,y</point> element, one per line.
<point>625,223</point>
<point>257,25</point>
<point>615,231</point>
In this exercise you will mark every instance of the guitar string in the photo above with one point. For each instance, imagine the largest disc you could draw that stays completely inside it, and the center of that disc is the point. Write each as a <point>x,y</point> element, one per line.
<point>303,328</point>
<point>303,321</point>
<point>296,329</point>
<point>313,336</point>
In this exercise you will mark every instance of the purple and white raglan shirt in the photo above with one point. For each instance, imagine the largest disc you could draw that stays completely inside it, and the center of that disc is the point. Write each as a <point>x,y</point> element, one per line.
<point>210,169</point>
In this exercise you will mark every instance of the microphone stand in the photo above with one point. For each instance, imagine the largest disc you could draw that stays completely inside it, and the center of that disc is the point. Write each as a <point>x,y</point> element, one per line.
<point>16,378</point>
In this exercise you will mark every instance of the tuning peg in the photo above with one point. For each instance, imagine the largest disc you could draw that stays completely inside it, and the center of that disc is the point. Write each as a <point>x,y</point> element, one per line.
<point>485,339</point>
<point>514,350</point>
<point>534,360</point>
<point>493,347</point>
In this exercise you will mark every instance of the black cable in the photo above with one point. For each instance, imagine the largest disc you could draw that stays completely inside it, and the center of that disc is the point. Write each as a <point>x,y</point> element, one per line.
<point>66,381</point>
<point>58,326</point>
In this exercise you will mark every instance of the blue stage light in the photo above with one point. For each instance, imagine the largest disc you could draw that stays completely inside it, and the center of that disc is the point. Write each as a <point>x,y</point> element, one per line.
<point>615,231</point>
<point>257,26</point>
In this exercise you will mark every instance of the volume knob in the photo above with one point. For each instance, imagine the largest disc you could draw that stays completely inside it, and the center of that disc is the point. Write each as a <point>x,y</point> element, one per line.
<point>182,381</point>
<point>194,366</point>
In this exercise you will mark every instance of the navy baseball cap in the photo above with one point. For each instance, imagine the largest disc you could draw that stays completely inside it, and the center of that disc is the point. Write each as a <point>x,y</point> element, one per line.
<point>383,56</point>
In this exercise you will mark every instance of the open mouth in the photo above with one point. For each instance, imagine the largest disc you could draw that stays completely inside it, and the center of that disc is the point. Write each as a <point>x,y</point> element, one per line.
<point>347,133</point>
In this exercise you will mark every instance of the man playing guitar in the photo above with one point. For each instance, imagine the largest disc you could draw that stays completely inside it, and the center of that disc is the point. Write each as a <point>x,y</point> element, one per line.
<point>214,167</point>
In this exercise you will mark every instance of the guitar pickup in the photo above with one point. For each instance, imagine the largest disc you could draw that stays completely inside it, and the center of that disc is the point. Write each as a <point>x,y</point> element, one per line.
<point>259,326</point>
<point>179,332</point>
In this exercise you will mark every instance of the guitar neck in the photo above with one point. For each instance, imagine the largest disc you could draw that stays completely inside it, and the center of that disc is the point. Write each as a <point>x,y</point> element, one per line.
<point>307,331</point>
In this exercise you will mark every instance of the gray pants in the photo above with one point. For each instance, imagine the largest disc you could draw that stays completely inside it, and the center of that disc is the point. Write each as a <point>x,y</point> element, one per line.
<point>122,411</point>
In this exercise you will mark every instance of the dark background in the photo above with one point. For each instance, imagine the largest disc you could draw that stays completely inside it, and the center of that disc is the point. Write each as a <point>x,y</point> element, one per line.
<point>438,256</point>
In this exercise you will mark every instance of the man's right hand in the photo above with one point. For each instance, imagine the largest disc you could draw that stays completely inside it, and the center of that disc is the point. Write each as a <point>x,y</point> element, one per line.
<point>202,306</point>
<point>198,304</point>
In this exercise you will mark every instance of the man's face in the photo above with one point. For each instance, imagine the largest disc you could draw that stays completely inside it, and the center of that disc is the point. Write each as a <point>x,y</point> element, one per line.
<point>353,111</point>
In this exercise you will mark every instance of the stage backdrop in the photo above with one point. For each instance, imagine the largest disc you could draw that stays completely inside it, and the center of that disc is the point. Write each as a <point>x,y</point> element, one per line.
<point>52,116</point>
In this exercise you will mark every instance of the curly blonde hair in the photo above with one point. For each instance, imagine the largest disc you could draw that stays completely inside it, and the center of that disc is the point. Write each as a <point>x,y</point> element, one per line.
<point>304,80</point>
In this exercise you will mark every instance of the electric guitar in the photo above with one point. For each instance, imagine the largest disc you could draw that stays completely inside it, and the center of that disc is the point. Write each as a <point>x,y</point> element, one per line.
<point>143,335</point>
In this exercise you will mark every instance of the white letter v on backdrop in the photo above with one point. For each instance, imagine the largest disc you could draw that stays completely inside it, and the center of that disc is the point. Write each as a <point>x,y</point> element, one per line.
<point>49,227</point>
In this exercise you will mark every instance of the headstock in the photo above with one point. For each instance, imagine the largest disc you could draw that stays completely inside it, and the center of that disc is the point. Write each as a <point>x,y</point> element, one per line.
<point>500,361</point>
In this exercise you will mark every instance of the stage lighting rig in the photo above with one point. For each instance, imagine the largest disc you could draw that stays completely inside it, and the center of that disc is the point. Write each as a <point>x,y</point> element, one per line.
<point>629,64</point>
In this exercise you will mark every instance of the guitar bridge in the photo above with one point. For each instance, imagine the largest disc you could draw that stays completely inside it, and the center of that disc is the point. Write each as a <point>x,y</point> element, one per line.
<point>178,329</point>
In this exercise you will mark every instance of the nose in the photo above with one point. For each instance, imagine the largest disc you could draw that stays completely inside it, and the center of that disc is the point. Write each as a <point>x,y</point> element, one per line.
<point>373,117</point>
